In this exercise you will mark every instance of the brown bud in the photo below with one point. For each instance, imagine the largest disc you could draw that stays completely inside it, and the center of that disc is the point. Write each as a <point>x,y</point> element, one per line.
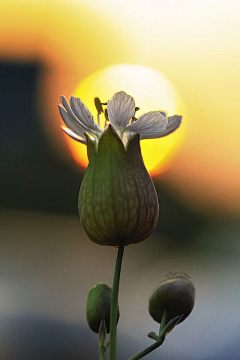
<point>176,295</point>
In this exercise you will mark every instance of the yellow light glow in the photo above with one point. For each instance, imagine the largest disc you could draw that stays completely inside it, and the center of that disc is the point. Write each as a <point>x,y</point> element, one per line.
<point>151,91</point>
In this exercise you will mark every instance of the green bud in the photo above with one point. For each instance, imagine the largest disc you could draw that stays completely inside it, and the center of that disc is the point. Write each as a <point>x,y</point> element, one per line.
<point>176,295</point>
<point>117,201</point>
<point>99,306</point>
<point>152,335</point>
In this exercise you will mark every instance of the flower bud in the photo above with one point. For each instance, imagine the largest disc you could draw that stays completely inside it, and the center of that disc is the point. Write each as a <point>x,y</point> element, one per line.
<point>176,295</point>
<point>117,201</point>
<point>99,306</point>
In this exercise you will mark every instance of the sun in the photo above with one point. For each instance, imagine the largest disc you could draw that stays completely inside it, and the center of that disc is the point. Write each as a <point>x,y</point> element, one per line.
<point>151,91</point>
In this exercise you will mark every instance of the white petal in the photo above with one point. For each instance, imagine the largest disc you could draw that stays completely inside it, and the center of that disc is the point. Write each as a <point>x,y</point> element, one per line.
<point>83,114</point>
<point>121,108</point>
<point>77,121</point>
<point>71,122</point>
<point>149,124</point>
<point>72,115</point>
<point>73,135</point>
<point>173,123</point>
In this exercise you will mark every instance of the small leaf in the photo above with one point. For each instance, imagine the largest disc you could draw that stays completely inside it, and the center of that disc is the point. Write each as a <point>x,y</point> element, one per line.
<point>137,108</point>
<point>153,335</point>
<point>102,332</point>
<point>171,324</point>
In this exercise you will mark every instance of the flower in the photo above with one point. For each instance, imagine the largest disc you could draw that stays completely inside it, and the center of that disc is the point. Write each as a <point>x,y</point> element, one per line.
<point>117,199</point>
<point>177,295</point>
<point>121,112</point>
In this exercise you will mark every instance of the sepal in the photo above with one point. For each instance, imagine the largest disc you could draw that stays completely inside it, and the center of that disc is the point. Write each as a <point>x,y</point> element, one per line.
<point>171,324</point>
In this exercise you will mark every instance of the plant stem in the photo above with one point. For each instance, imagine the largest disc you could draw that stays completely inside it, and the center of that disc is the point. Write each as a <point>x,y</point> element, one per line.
<point>158,343</point>
<point>163,321</point>
<point>147,350</point>
<point>101,353</point>
<point>114,304</point>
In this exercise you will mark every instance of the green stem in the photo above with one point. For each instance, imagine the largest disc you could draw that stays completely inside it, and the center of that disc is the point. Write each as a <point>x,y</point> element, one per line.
<point>114,304</point>
<point>158,343</point>
<point>101,353</point>
<point>163,321</point>
<point>147,350</point>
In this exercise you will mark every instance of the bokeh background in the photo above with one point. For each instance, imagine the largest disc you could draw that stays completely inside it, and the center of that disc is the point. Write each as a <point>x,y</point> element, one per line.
<point>47,263</point>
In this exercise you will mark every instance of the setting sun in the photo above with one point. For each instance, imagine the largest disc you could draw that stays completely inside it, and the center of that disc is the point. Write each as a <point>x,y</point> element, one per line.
<point>151,91</point>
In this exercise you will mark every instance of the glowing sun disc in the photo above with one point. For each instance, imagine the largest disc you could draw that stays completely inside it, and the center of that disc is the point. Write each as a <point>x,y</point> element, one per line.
<point>151,91</point>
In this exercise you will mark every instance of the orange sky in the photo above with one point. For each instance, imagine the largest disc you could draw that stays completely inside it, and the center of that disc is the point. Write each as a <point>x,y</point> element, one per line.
<point>196,45</point>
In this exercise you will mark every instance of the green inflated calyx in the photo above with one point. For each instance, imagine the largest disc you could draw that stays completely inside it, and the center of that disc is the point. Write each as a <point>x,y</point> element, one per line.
<point>117,200</point>
<point>99,306</point>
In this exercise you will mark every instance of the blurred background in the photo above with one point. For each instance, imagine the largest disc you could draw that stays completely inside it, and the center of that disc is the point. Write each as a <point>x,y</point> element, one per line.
<point>50,48</point>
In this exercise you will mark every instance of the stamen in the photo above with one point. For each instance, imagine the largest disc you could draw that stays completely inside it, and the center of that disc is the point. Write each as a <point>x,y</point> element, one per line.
<point>99,108</point>
<point>134,118</point>
<point>98,119</point>
<point>106,114</point>
<point>106,118</point>
<point>98,105</point>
